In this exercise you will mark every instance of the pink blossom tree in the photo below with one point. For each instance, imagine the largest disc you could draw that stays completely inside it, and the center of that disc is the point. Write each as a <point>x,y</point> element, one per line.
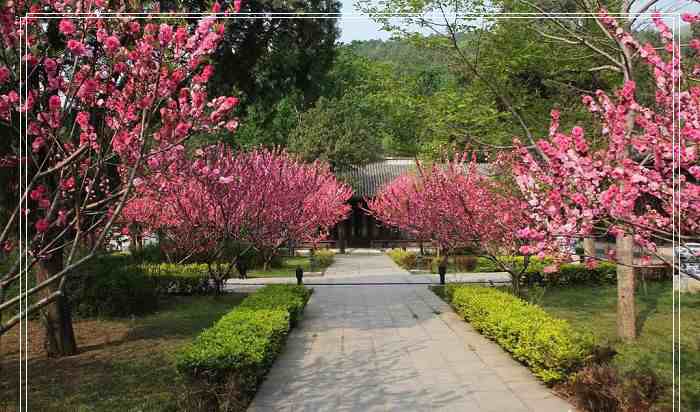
<point>263,199</point>
<point>87,100</point>
<point>642,186</point>
<point>455,205</point>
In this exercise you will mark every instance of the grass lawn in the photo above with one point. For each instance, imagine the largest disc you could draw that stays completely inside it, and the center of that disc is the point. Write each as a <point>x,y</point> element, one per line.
<point>286,269</point>
<point>594,309</point>
<point>123,365</point>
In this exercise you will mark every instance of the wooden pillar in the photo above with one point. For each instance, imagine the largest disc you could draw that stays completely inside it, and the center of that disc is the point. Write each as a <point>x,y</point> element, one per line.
<point>341,236</point>
<point>375,228</point>
<point>365,226</point>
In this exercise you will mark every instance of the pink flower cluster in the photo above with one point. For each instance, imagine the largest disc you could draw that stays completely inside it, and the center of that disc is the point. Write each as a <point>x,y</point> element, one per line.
<point>122,91</point>
<point>264,198</point>
<point>630,185</point>
<point>455,205</point>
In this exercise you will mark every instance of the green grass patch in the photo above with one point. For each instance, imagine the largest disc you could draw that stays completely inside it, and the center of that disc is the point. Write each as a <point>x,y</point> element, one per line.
<point>594,309</point>
<point>123,365</point>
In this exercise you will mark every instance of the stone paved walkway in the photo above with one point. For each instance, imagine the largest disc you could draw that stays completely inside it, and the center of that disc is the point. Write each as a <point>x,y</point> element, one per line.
<point>393,348</point>
<point>369,268</point>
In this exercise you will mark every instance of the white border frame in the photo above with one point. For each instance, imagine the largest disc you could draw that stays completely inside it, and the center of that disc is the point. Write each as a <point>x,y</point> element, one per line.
<point>23,172</point>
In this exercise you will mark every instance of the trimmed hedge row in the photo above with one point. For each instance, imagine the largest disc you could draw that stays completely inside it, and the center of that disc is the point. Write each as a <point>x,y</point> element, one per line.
<point>324,257</point>
<point>229,359</point>
<point>550,347</point>
<point>403,258</point>
<point>178,279</point>
<point>572,274</point>
<point>111,291</point>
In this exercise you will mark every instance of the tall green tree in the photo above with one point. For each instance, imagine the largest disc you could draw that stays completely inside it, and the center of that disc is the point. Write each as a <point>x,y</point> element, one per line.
<point>279,63</point>
<point>342,131</point>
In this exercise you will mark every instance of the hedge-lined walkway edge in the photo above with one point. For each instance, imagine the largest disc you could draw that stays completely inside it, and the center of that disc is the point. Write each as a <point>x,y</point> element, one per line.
<point>395,347</point>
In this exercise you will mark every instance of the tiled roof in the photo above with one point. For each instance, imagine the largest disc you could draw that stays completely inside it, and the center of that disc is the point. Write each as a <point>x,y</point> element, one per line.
<point>367,180</point>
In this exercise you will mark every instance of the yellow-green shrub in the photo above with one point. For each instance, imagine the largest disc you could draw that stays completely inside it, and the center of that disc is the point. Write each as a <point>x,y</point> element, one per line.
<point>403,258</point>
<point>550,347</point>
<point>179,279</point>
<point>233,356</point>
<point>324,257</point>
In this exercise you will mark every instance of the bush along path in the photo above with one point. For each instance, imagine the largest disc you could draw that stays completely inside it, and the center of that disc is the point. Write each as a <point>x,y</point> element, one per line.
<point>395,348</point>
<point>226,363</point>
<point>575,354</point>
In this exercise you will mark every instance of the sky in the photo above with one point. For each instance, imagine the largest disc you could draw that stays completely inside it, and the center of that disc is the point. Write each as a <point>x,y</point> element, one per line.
<point>357,27</point>
<point>362,28</point>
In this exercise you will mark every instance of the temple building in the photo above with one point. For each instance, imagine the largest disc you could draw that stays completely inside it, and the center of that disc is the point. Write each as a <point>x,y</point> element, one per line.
<point>360,230</point>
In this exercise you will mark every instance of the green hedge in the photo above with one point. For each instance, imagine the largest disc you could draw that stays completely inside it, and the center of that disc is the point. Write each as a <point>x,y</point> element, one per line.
<point>234,355</point>
<point>101,288</point>
<point>324,257</point>
<point>178,279</point>
<point>403,258</point>
<point>574,274</point>
<point>550,347</point>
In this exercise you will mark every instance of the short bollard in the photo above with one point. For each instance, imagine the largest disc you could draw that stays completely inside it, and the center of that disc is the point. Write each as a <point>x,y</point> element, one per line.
<point>300,276</point>
<point>441,272</point>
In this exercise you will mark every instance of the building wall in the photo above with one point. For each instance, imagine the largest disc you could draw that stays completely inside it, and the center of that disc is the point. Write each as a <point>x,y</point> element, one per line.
<point>361,229</point>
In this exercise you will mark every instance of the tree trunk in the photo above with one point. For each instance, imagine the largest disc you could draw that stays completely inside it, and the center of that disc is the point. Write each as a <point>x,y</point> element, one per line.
<point>56,316</point>
<point>589,247</point>
<point>2,299</point>
<point>266,262</point>
<point>626,315</point>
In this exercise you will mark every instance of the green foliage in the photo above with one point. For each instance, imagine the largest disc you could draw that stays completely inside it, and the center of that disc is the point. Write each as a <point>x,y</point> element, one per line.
<point>403,258</point>
<point>269,126</point>
<point>324,257</point>
<point>236,353</point>
<point>550,347</point>
<point>178,279</point>
<point>148,253</point>
<point>263,60</point>
<point>455,119</point>
<point>342,131</point>
<point>567,274</point>
<point>101,288</point>
<point>576,274</point>
<point>290,298</point>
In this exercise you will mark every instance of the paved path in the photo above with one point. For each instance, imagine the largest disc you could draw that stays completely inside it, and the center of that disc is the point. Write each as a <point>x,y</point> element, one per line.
<point>393,348</point>
<point>368,268</point>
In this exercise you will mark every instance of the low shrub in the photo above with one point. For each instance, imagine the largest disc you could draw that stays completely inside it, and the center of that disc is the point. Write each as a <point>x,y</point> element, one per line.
<point>661,272</point>
<point>486,265</point>
<point>535,264</point>
<point>575,274</point>
<point>403,258</point>
<point>285,297</point>
<point>178,279</point>
<point>601,387</point>
<point>119,291</point>
<point>465,263</point>
<point>227,362</point>
<point>109,286</point>
<point>548,346</point>
<point>435,263</point>
<point>324,257</point>
<point>567,273</point>
<point>149,253</point>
